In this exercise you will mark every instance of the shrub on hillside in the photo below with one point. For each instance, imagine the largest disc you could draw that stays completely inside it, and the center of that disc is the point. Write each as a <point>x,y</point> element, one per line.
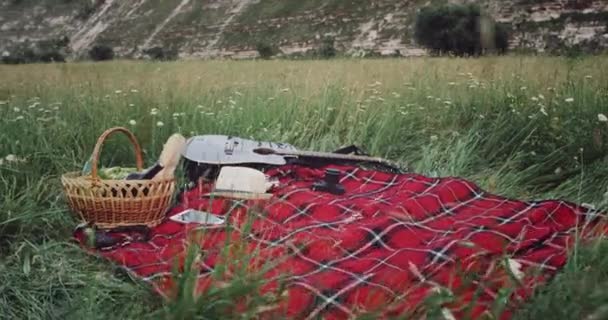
<point>265,50</point>
<point>101,52</point>
<point>327,48</point>
<point>52,50</point>
<point>160,53</point>
<point>461,30</point>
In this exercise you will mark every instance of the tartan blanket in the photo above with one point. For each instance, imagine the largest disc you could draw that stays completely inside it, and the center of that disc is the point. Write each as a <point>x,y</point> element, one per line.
<point>390,244</point>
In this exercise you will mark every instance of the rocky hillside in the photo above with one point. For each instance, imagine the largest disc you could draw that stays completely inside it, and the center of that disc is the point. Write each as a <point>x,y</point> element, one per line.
<point>231,28</point>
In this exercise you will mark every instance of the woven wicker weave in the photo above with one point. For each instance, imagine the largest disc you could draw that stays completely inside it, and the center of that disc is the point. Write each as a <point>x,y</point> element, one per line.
<point>117,203</point>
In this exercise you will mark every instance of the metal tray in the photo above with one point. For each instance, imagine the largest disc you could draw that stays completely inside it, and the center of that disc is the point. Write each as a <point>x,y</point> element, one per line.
<point>196,216</point>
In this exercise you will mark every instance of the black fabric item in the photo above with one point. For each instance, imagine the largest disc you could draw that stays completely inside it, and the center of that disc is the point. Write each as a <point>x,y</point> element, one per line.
<point>352,149</point>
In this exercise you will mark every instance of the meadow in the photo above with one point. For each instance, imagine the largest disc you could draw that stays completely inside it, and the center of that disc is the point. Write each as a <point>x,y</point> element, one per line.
<point>522,127</point>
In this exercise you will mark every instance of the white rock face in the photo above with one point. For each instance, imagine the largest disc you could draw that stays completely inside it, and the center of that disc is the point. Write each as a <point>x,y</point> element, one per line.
<point>224,28</point>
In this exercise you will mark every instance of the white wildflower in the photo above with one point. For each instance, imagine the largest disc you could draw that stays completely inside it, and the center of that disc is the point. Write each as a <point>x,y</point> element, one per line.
<point>131,105</point>
<point>3,102</point>
<point>19,118</point>
<point>481,116</point>
<point>118,91</point>
<point>523,88</point>
<point>588,205</point>
<point>569,100</point>
<point>434,138</point>
<point>238,93</point>
<point>16,109</point>
<point>451,83</point>
<point>448,103</point>
<point>200,106</point>
<point>175,115</point>
<point>543,111</point>
<point>134,91</point>
<point>515,268</point>
<point>541,97</point>
<point>160,124</point>
<point>447,314</point>
<point>154,111</point>
<point>602,117</point>
<point>132,122</point>
<point>535,99</point>
<point>588,77</point>
<point>285,90</point>
<point>14,158</point>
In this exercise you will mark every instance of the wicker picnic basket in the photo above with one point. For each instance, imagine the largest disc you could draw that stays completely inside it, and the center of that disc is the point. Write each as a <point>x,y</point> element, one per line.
<point>117,203</point>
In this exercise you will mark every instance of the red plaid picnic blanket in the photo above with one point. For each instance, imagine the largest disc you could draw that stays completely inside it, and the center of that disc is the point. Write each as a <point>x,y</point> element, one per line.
<point>388,244</point>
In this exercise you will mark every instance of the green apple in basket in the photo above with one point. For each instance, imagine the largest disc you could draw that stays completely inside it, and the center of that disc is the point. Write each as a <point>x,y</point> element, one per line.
<point>112,173</point>
<point>115,173</point>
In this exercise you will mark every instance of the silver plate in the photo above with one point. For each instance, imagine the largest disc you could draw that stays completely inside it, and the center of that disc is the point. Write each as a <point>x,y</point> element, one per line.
<point>200,217</point>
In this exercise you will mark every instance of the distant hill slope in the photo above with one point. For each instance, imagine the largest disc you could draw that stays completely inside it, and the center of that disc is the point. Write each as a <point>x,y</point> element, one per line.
<point>212,28</point>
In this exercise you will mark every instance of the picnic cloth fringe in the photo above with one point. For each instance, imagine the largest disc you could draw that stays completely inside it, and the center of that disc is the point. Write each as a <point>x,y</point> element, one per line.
<point>390,243</point>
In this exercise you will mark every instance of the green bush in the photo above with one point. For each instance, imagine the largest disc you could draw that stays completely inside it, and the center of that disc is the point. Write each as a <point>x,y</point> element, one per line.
<point>461,30</point>
<point>160,53</point>
<point>53,50</point>
<point>101,52</point>
<point>327,49</point>
<point>265,50</point>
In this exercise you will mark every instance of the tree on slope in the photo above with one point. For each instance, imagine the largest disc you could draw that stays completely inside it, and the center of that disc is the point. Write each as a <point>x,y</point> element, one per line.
<point>461,30</point>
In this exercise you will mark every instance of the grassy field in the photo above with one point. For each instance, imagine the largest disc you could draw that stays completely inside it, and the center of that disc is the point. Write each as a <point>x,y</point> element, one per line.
<point>525,127</point>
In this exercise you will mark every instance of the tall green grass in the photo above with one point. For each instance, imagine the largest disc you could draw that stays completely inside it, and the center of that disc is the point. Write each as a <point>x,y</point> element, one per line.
<point>521,127</point>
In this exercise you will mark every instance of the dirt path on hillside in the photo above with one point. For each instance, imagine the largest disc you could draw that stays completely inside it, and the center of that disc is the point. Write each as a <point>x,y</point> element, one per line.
<point>91,28</point>
<point>236,11</point>
<point>162,25</point>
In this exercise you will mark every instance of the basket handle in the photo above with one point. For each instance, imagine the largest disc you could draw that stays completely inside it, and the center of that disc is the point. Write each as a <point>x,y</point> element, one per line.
<point>95,156</point>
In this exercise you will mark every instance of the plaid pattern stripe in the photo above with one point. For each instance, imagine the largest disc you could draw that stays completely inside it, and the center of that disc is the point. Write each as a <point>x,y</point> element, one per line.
<point>389,243</point>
